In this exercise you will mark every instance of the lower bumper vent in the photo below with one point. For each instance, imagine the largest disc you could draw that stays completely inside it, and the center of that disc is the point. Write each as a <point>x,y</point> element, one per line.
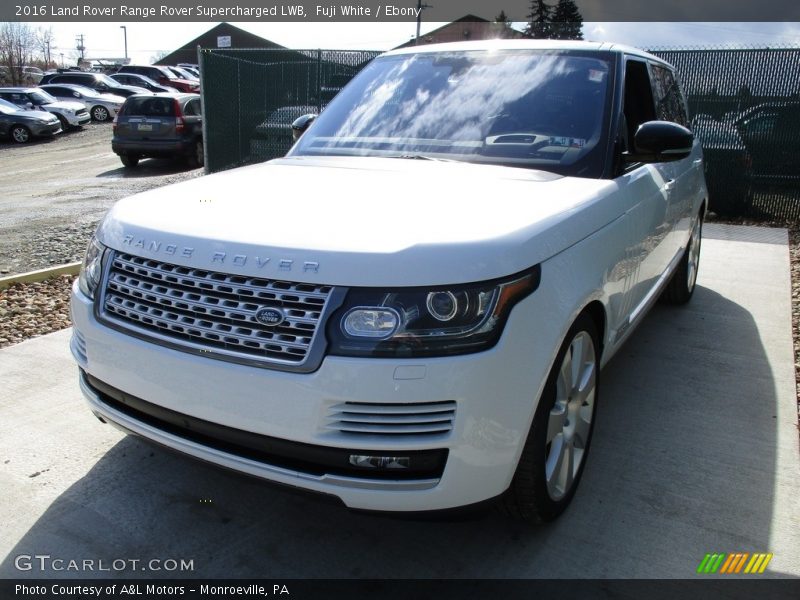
<point>396,419</point>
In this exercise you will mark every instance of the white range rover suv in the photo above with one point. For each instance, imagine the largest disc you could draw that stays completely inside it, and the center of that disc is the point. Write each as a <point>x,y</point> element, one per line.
<point>411,309</point>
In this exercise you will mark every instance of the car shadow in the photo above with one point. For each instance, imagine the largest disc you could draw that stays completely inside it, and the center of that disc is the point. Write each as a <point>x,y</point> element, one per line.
<point>148,167</point>
<point>682,463</point>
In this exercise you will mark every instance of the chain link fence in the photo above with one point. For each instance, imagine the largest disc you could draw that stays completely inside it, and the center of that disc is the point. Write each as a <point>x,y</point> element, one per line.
<point>744,106</point>
<point>251,97</point>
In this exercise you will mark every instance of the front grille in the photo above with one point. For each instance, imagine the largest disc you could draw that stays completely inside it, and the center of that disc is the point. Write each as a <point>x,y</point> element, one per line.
<point>214,313</point>
<point>82,111</point>
<point>395,419</point>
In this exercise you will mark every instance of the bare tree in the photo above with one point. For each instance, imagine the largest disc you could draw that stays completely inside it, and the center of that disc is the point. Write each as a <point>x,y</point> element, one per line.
<point>17,46</point>
<point>44,43</point>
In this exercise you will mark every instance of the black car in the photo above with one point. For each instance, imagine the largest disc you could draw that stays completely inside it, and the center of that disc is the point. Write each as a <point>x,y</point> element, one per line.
<point>273,137</point>
<point>22,125</point>
<point>755,148</point>
<point>96,81</point>
<point>159,125</point>
<point>769,132</point>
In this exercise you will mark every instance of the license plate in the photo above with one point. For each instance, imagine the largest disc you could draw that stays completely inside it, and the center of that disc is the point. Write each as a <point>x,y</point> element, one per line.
<point>144,127</point>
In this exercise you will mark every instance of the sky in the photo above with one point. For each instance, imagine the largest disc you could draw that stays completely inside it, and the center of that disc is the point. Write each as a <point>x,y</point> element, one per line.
<point>147,39</point>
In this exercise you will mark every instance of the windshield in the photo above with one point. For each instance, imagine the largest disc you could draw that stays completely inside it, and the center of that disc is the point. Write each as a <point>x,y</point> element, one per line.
<point>7,108</point>
<point>107,80</point>
<point>40,97</point>
<point>524,108</point>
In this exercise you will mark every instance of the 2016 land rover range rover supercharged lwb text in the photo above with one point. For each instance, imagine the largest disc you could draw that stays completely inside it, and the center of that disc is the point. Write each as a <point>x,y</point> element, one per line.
<point>410,310</point>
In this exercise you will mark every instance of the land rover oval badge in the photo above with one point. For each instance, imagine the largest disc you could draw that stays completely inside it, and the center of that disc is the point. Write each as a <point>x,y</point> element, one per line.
<point>271,317</point>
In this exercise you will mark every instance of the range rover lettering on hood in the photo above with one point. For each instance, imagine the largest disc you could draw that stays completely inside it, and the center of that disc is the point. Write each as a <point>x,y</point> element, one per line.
<point>217,257</point>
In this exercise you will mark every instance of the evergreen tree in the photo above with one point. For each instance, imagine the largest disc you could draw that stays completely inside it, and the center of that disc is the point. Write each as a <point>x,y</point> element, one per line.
<point>567,21</point>
<point>502,26</point>
<point>539,20</point>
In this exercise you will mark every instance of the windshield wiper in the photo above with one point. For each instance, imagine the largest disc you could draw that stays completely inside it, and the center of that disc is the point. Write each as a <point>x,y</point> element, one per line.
<point>412,156</point>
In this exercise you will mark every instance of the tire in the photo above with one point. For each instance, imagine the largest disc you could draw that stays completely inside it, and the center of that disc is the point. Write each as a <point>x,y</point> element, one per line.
<point>100,113</point>
<point>197,158</point>
<point>129,160</point>
<point>681,287</point>
<point>64,123</point>
<point>562,427</point>
<point>20,134</point>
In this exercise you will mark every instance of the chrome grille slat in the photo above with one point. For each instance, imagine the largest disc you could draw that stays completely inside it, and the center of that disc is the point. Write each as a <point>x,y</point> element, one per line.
<point>213,313</point>
<point>171,323</point>
<point>200,310</point>
<point>269,286</point>
<point>362,418</point>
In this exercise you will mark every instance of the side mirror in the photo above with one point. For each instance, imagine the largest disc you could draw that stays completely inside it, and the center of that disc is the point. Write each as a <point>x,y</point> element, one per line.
<point>29,105</point>
<point>660,141</point>
<point>301,124</point>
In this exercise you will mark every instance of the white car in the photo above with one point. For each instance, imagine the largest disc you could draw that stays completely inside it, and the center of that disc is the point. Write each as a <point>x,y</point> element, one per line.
<point>410,310</point>
<point>71,114</point>
<point>101,107</point>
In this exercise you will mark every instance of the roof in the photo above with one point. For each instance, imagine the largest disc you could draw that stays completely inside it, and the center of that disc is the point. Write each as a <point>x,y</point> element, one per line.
<point>239,39</point>
<point>468,27</point>
<point>525,44</point>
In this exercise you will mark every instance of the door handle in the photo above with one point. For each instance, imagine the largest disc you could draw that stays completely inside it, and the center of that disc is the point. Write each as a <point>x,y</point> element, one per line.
<point>669,185</point>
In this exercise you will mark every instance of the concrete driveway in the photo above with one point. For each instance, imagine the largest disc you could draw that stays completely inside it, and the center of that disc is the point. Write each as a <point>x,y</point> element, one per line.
<point>695,451</point>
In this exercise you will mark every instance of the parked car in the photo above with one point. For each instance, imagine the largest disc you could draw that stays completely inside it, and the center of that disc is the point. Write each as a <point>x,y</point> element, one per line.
<point>410,310</point>
<point>769,132</point>
<point>33,74</point>
<point>273,137</point>
<point>143,82</point>
<point>22,125</point>
<point>159,126</point>
<point>193,69</point>
<point>727,164</point>
<point>70,114</point>
<point>96,81</point>
<point>101,107</point>
<point>163,76</point>
<point>182,73</point>
<point>755,148</point>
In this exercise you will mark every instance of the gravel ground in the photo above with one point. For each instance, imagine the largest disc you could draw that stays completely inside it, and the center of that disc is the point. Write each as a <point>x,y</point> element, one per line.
<point>54,192</point>
<point>31,309</point>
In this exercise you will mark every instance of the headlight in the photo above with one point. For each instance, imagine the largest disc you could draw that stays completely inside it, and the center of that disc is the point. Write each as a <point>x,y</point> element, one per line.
<point>91,269</point>
<point>412,322</point>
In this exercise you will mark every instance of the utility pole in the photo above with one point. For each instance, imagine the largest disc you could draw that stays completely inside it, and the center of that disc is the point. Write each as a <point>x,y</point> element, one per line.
<point>80,47</point>
<point>125,31</point>
<point>420,8</point>
<point>47,57</point>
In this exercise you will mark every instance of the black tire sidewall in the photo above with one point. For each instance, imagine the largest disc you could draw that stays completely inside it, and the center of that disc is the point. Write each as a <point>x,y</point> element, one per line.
<point>22,127</point>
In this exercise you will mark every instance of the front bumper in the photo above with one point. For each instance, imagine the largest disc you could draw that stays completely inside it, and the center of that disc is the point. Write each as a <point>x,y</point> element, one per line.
<point>494,393</point>
<point>76,120</point>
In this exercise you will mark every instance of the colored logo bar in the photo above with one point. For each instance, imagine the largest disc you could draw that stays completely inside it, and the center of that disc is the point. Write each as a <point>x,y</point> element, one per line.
<point>734,563</point>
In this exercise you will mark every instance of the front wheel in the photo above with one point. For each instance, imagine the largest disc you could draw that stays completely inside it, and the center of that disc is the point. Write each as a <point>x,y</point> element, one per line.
<point>681,287</point>
<point>100,113</point>
<point>555,452</point>
<point>20,134</point>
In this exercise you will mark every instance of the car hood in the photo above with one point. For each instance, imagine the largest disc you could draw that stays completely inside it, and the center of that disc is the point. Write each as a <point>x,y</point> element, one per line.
<point>65,105</point>
<point>363,221</point>
<point>107,98</point>
<point>37,115</point>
